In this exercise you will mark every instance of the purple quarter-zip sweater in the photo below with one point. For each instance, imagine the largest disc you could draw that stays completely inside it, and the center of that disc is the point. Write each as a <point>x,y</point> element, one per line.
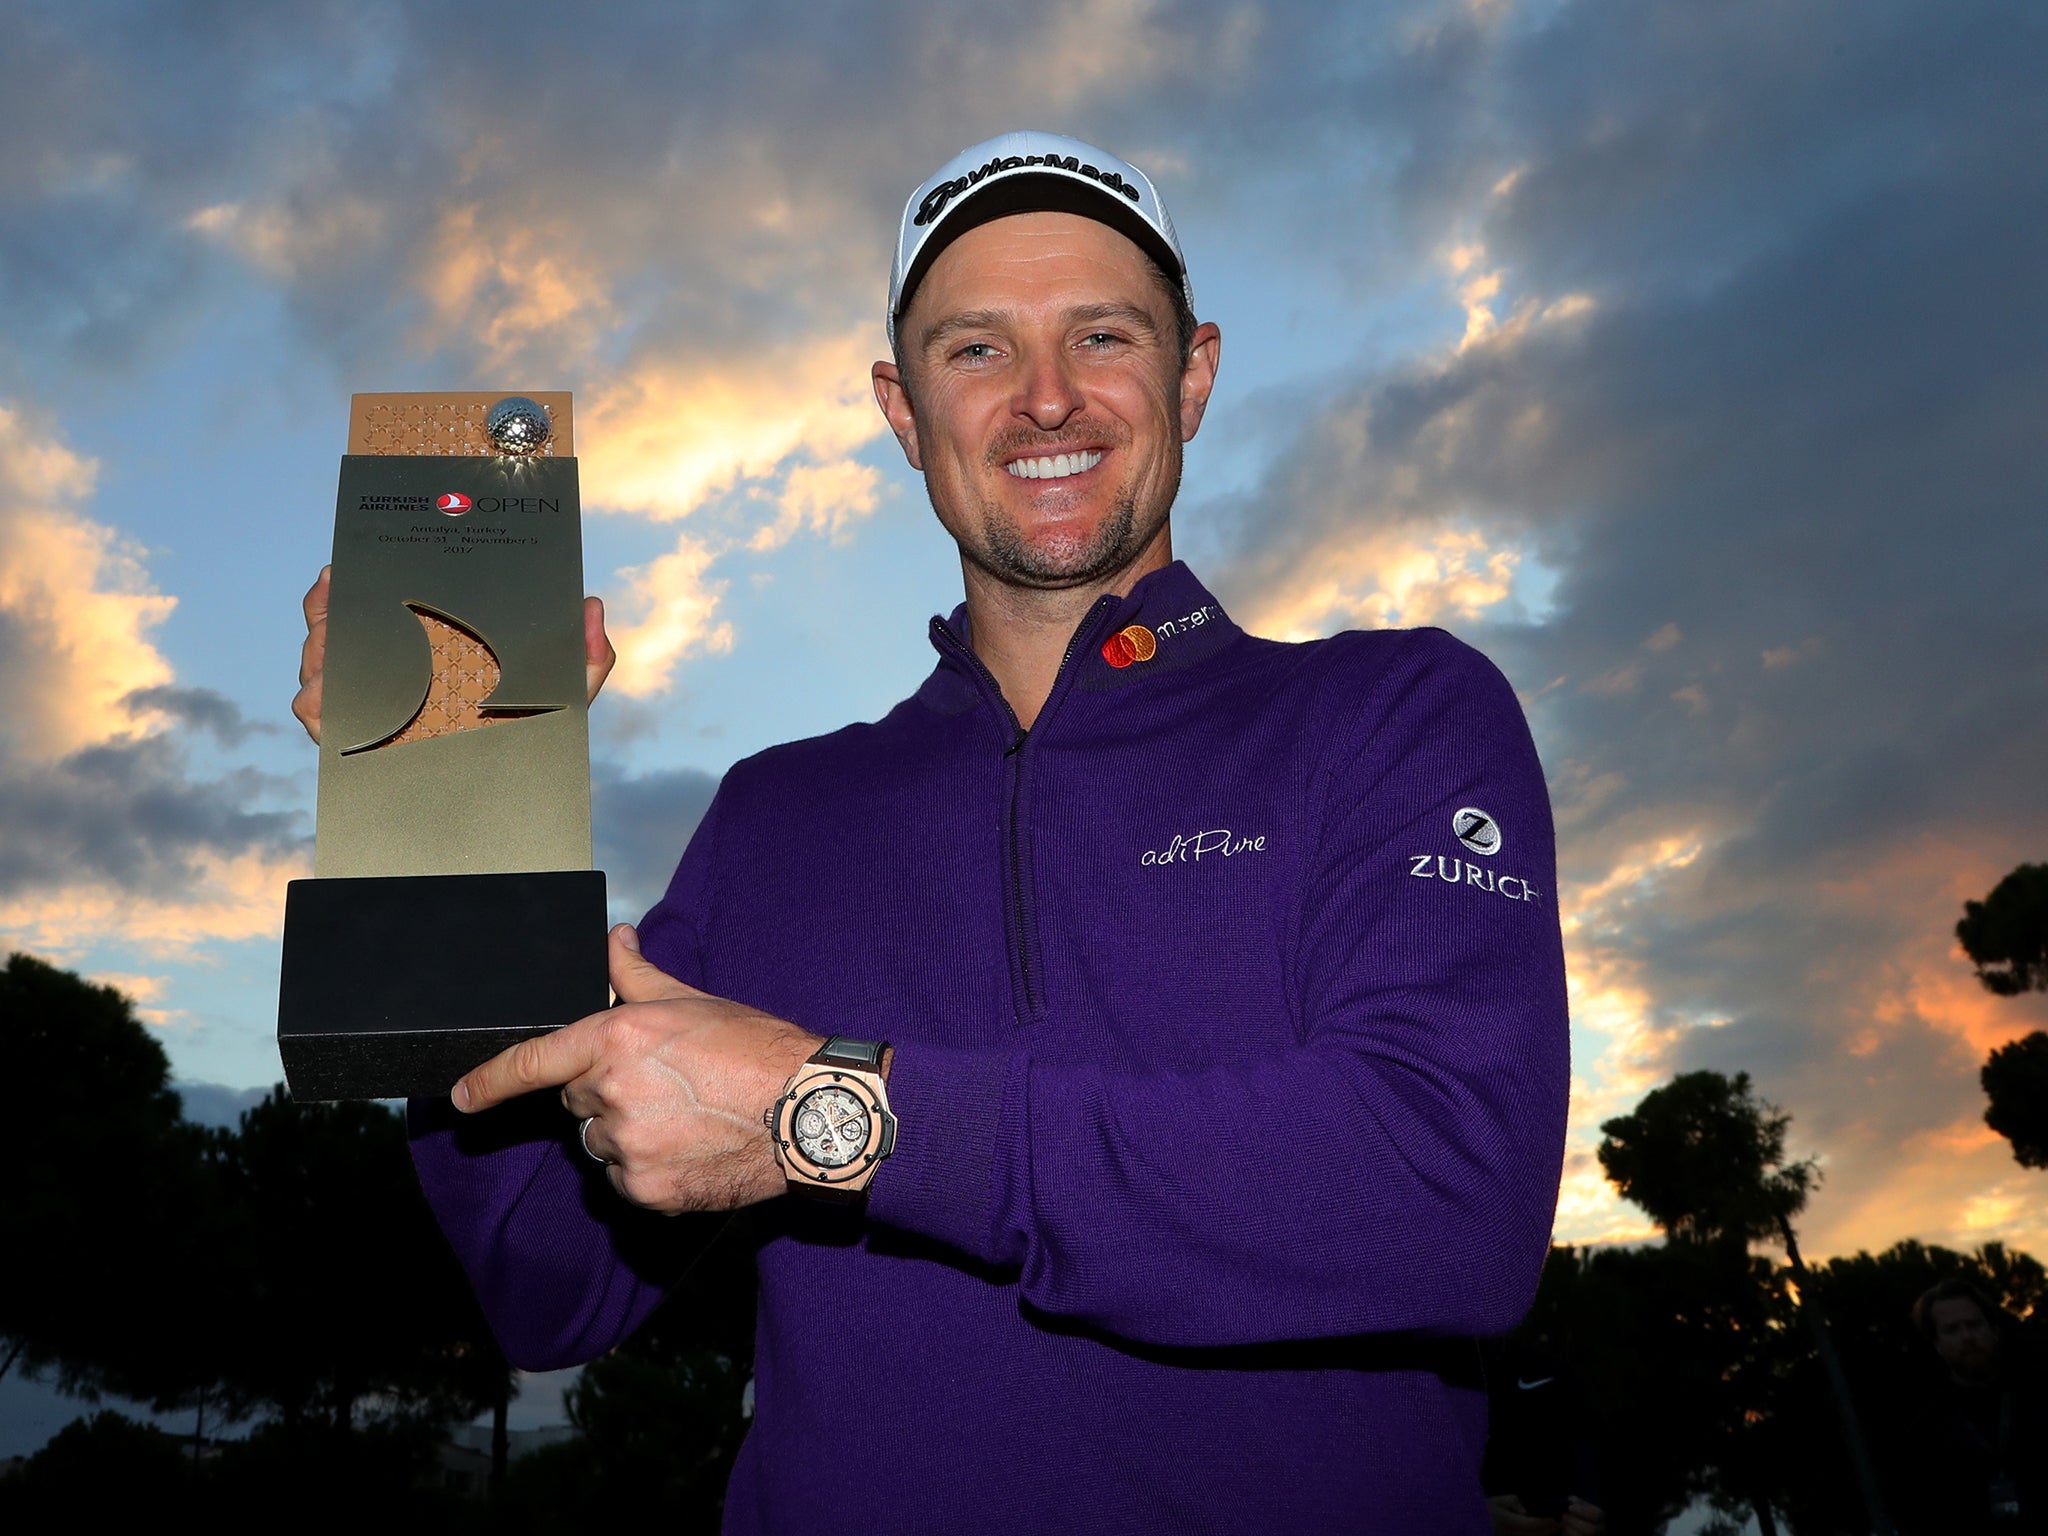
<point>1231,1069</point>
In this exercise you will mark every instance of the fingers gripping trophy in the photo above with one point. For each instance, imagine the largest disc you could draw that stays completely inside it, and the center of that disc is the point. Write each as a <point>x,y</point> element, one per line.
<point>452,909</point>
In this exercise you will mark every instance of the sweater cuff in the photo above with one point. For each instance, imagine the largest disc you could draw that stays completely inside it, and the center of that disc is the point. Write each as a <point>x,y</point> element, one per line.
<point>948,1106</point>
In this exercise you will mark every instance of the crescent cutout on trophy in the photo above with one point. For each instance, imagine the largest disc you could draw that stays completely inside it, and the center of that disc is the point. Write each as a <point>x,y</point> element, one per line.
<point>464,674</point>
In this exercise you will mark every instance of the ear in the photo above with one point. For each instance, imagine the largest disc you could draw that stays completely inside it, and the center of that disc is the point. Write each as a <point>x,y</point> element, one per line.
<point>1198,378</point>
<point>893,396</point>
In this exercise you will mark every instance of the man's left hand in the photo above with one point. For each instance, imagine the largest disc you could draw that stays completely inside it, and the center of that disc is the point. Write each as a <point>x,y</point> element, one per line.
<point>674,1082</point>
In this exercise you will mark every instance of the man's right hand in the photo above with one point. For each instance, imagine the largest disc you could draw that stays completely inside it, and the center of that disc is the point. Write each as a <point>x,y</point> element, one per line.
<point>598,655</point>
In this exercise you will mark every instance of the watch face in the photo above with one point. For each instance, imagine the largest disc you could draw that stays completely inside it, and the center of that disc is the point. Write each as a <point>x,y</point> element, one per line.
<point>831,1126</point>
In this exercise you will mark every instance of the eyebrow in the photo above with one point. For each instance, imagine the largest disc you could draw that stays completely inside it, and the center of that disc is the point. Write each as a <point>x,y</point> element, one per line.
<point>1081,314</point>
<point>965,320</point>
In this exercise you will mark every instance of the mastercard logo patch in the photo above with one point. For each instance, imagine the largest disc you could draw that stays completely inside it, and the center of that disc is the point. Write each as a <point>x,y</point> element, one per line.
<point>454,503</point>
<point>1132,643</point>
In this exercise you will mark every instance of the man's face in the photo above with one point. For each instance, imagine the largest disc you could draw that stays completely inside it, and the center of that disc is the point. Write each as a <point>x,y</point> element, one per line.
<point>1964,1338</point>
<point>1046,401</point>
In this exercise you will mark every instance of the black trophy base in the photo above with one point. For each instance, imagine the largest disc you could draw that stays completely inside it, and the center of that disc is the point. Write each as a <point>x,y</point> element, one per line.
<point>397,986</point>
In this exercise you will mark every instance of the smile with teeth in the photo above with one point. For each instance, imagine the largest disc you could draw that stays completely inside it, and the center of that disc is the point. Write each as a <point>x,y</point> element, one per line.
<point>1055,467</point>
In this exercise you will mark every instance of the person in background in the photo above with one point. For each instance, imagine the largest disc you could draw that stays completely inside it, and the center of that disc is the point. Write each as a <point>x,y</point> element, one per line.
<point>1984,1439</point>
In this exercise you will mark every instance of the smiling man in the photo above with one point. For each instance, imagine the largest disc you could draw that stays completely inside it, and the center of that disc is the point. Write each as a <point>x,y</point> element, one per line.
<point>1165,1085</point>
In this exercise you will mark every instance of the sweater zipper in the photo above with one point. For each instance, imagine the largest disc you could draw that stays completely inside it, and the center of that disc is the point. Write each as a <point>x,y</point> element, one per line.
<point>1023,935</point>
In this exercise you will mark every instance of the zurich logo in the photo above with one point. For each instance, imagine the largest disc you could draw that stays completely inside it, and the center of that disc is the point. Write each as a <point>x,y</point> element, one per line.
<point>1476,829</point>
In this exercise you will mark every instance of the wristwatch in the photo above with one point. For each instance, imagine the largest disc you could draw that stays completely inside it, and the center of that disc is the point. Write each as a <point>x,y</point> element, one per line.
<point>832,1126</point>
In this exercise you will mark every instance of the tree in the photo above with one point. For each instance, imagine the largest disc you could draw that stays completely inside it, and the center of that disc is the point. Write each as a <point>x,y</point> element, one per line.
<point>105,1470</point>
<point>346,1290</point>
<point>2015,1079</point>
<point>2006,937</point>
<point>1706,1161</point>
<point>291,1263</point>
<point>100,1159</point>
<point>1869,1300</point>
<point>660,1418</point>
<point>1678,1349</point>
<point>2006,934</point>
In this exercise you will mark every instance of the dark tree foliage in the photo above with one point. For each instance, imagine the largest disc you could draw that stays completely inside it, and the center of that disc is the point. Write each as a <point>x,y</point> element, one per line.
<point>345,1288</point>
<point>1678,1349</point>
<point>2006,934</point>
<point>101,1471</point>
<point>291,1266</point>
<point>2015,1079</point>
<point>1698,1383</point>
<point>322,1477</point>
<point>1706,1161</point>
<point>291,1269</point>
<point>1869,1299</point>
<point>109,1472</point>
<point>660,1419</point>
<point>98,1161</point>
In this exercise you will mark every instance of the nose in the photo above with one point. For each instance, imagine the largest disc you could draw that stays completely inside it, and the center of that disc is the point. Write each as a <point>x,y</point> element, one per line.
<point>1046,391</point>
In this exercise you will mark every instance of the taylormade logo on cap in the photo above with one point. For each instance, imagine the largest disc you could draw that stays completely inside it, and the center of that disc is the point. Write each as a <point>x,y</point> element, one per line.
<point>1030,172</point>
<point>935,200</point>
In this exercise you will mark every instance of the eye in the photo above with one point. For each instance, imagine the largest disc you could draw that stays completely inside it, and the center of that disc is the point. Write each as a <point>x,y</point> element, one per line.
<point>975,352</point>
<point>1100,339</point>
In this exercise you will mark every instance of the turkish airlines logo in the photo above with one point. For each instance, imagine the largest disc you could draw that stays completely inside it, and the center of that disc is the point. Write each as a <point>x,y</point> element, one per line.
<point>454,503</point>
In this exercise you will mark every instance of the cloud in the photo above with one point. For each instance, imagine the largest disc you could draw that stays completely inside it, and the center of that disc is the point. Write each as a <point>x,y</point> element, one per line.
<point>76,605</point>
<point>1398,579</point>
<point>666,437</point>
<point>667,614</point>
<point>1741,366</point>
<point>290,243</point>
<point>1721,437</point>
<point>641,824</point>
<point>109,834</point>
<point>227,897</point>
<point>707,274</point>
<point>200,708</point>
<point>126,815</point>
<point>827,499</point>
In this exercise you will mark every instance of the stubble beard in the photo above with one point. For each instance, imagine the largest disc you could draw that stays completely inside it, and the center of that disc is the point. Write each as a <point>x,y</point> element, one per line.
<point>1119,538</point>
<point>1007,555</point>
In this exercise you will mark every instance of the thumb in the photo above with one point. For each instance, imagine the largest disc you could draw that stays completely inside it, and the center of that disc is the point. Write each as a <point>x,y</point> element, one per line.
<point>637,979</point>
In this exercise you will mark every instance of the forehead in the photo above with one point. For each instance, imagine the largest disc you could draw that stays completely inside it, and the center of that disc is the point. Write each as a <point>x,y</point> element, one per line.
<point>1955,1311</point>
<point>1030,262</point>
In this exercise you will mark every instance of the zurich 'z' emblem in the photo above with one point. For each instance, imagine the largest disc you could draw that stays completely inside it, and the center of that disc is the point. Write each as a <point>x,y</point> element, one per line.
<point>1476,829</point>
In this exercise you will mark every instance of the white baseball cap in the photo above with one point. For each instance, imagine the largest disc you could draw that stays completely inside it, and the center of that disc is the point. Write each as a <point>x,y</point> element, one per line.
<point>1030,172</point>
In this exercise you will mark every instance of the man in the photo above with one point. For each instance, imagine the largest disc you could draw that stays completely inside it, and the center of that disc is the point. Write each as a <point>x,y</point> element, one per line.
<point>1985,1444</point>
<point>1197,1073</point>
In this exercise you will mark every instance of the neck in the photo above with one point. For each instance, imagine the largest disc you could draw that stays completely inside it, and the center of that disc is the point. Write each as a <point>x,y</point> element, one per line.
<point>1021,633</point>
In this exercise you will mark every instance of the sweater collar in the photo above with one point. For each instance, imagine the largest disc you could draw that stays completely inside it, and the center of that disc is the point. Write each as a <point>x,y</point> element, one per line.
<point>1168,622</point>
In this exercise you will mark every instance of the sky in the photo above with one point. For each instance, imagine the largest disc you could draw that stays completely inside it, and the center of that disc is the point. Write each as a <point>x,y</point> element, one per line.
<point>1691,360</point>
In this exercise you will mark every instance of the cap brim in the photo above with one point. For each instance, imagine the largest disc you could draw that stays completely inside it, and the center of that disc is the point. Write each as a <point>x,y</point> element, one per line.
<point>1039,192</point>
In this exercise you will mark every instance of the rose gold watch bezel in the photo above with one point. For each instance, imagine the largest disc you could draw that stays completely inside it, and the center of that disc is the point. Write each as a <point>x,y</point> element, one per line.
<point>802,1173</point>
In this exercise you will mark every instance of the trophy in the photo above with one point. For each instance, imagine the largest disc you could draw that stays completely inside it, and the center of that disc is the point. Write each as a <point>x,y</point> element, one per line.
<point>452,909</point>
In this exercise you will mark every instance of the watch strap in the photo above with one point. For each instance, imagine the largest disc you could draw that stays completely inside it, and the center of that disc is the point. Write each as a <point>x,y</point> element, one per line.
<point>843,1051</point>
